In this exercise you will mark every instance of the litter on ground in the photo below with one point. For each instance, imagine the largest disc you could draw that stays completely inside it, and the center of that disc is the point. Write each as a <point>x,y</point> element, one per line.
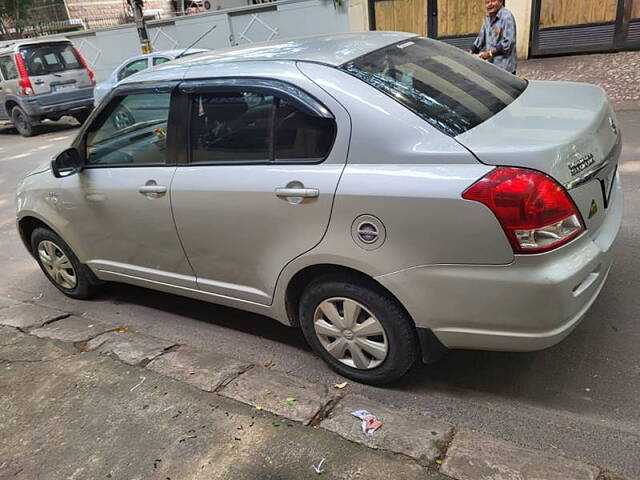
<point>319,468</point>
<point>370,423</point>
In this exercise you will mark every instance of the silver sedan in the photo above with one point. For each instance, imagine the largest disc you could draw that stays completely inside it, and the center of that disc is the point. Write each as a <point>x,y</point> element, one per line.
<point>390,195</point>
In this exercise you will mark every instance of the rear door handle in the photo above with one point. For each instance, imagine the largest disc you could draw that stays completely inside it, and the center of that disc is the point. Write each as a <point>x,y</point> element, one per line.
<point>285,192</point>
<point>152,190</point>
<point>38,82</point>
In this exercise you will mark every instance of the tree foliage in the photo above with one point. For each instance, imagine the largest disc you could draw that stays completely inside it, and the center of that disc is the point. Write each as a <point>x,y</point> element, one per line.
<point>16,10</point>
<point>14,14</point>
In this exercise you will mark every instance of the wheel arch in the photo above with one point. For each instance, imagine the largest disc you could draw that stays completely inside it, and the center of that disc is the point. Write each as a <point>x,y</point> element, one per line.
<point>9,104</point>
<point>431,349</point>
<point>301,279</point>
<point>26,226</point>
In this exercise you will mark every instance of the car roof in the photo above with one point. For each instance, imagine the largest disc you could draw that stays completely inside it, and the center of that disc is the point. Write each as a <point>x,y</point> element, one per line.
<point>178,51</point>
<point>332,50</point>
<point>328,49</point>
<point>13,44</point>
<point>167,53</point>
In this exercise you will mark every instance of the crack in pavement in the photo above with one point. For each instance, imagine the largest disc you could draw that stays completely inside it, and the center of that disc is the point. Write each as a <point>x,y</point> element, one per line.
<point>325,410</point>
<point>231,378</point>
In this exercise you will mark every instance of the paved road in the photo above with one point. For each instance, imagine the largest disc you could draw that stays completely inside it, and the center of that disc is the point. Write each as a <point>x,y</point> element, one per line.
<point>579,398</point>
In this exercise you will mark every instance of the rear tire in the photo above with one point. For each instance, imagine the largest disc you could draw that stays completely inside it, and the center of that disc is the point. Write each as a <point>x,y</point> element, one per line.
<point>385,348</point>
<point>23,123</point>
<point>53,255</point>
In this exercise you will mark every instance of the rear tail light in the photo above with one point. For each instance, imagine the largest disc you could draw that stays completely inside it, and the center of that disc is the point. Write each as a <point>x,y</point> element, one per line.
<point>24,82</point>
<point>535,212</point>
<point>92,76</point>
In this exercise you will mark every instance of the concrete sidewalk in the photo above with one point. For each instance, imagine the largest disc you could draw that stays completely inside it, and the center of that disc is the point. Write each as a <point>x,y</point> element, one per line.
<point>617,73</point>
<point>88,416</point>
<point>82,399</point>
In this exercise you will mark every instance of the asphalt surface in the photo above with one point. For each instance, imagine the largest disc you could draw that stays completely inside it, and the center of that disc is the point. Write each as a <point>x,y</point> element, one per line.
<point>578,399</point>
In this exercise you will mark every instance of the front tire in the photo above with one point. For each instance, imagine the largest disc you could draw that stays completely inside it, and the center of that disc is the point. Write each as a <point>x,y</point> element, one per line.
<point>61,266</point>
<point>358,329</point>
<point>23,123</point>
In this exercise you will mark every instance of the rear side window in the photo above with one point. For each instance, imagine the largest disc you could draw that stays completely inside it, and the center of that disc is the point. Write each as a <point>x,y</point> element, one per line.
<point>160,60</point>
<point>8,68</point>
<point>130,131</point>
<point>246,126</point>
<point>444,85</point>
<point>301,136</point>
<point>52,58</point>
<point>133,67</point>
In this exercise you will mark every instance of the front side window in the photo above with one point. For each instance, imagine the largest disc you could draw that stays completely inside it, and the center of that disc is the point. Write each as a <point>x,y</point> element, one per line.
<point>254,127</point>
<point>48,59</point>
<point>8,68</point>
<point>131,130</point>
<point>444,85</point>
<point>133,67</point>
<point>230,127</point>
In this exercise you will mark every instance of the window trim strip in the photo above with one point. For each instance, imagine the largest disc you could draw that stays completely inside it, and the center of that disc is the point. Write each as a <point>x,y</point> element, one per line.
<point>293,94</point>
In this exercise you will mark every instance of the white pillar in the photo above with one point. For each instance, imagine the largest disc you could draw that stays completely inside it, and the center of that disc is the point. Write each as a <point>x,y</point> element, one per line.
<point>521,10</point>
<point>358,15</point>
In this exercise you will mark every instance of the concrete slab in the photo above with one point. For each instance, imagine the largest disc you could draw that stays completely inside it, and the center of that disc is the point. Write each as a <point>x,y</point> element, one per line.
<point>16,346</point>
<point>26,316</point>
<point>10,335</point>
<point>82,419</point>
<point>7,302</point>
<point>72,329</point>
<point>131,348</point>
<point>414,435</point>
<point>269,389</point>
<point>474,456</point>
<point>206,370</point>
<point>613,476</point>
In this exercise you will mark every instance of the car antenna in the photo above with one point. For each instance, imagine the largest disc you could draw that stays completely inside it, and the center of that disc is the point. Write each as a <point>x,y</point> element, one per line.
<point>197,40</point>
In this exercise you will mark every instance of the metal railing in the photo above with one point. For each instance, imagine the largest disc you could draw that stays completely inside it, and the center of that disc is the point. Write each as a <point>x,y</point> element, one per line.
<point>57,19</point>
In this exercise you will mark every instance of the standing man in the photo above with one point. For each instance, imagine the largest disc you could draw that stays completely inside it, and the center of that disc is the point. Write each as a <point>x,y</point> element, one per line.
<point>496,41</point>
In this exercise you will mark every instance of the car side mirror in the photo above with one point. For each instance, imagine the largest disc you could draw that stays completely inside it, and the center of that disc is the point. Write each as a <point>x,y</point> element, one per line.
<point>66,163</point>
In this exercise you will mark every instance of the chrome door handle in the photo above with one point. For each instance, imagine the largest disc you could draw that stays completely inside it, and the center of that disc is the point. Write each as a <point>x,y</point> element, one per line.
<point>150,189</point>
<point>284,192</point>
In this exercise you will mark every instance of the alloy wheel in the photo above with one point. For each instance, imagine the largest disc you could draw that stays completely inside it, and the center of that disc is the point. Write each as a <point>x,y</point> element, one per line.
<point>350,333</point>
<point>57,264</point>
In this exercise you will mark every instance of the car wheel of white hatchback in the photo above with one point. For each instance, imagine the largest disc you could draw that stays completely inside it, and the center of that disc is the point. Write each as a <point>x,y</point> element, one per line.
<point>358,328</point>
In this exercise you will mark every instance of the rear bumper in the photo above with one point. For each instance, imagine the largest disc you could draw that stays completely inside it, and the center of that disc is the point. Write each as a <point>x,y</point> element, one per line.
<point>530,304</point>
<point>58,104</point>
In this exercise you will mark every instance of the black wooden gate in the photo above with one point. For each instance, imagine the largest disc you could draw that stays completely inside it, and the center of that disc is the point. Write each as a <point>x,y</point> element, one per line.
<point>579,26</point>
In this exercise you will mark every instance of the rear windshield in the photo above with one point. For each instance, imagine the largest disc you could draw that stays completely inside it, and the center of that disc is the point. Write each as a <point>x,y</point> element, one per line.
<point>51,58</point>
<point>447,87</point>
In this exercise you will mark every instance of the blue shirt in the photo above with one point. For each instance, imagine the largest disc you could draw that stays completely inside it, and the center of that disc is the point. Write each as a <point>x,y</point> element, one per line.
<point>499,33</point>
